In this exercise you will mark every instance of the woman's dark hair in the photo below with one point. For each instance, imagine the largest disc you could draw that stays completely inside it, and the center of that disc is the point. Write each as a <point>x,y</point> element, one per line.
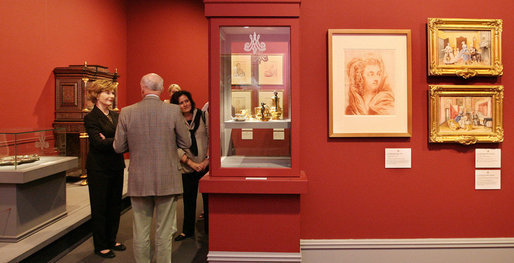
<point>176,95</point>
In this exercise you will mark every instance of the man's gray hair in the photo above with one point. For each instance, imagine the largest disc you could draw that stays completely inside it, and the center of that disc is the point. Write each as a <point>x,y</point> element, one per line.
<point>152,81</point>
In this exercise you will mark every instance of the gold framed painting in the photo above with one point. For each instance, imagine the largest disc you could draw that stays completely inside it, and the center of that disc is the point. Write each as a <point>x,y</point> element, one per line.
<point>465,114</point>
<point>271,70</point>
<point>369,83</point>
<point>464,47</point>
<point>241,69</point>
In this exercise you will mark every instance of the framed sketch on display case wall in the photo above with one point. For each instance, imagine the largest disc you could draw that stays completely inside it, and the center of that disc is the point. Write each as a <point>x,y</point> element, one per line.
<point>241,103</point>
<point>271,71</point>
<point>465,114</point>
<point>241,69</point>
<point>369,83</point>
<point>464,47</point>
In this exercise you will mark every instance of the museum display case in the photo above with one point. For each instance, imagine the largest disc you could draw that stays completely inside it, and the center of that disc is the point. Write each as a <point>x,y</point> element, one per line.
<point>255,94</point>
<point>33,169</point>
<point>26,146</point>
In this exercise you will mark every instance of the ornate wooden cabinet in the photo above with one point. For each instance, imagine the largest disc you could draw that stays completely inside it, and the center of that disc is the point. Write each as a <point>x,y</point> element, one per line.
<point>71,105</point>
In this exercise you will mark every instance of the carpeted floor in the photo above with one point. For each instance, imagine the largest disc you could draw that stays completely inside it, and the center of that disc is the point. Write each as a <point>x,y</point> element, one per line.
<point>191,250</point>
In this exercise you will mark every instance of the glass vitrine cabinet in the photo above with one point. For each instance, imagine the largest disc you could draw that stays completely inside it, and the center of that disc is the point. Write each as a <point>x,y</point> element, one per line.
<point>21,146</point>
<point>254,89</point>
<point>254,126</point>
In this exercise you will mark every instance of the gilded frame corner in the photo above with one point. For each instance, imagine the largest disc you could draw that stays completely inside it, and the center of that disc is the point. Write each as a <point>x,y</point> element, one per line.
<point>483,39</point>
<point>465,114</point>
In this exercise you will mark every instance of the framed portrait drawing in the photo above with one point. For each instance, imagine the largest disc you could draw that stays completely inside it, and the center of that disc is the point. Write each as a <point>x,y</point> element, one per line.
<point>464,47</point>
<point>241,69</point>
<point>241,102</point>
<point>271,71</point>
<point>465,114</point>
<point>369,83</point>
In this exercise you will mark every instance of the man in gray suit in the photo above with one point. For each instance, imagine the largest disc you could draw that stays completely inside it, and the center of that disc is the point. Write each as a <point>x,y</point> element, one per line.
<point>151,130</point>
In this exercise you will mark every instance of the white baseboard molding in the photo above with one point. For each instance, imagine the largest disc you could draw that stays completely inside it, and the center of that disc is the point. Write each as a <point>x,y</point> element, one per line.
<point>231,256</point>
<point>430,250</point>
<point>307,244</point>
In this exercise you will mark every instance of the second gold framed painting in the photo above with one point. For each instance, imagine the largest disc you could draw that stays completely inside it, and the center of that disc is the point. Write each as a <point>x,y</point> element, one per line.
<point>369,83</point>
<point>466,114</point>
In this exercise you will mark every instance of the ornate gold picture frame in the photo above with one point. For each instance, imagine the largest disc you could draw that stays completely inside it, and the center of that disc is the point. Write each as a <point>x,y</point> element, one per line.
<point>464,47</point>
<point>465,114</point>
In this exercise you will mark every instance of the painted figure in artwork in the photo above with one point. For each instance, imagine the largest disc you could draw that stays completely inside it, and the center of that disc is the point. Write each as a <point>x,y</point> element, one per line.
<point>464,53</point>
<point>369,92</point>
<point>449,58</point>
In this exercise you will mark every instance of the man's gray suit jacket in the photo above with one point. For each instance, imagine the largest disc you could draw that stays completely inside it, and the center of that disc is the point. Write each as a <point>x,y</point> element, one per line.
<point>151,131</point>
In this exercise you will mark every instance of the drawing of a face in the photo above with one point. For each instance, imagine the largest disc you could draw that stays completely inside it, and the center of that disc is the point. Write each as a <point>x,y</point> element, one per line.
<point>372,75</point>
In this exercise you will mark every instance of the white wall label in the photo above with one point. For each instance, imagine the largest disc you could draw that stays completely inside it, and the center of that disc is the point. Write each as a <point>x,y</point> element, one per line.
<point>278,134</point>
<point>247,134</point>
<point>488,158</point>
<point>398,158</point>
<point>487,179</point>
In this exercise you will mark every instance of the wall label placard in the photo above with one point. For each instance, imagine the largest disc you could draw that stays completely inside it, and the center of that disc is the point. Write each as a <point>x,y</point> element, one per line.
<point>487,179</point>
<point>398,158</point>
<point>488,158</point>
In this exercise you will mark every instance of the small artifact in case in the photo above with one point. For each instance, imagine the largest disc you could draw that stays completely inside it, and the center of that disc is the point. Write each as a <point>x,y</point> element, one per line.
<point>12,160</point>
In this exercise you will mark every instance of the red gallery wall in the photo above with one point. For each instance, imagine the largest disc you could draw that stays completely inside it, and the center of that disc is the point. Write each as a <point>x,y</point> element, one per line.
<point>351,195</point>
<point>37,36</point>
<point>169,38</point>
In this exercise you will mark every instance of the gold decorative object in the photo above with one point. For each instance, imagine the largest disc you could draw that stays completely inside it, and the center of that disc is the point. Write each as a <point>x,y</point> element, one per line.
<point>85,80</point>
<point>466,114</point>
<point>276,110</point>
<point>115,79</point>
<point>19,159</point>
<point>83,149</point>
<point>464,47</point>
<point>258,113</point>
<point>265,112</point>
<point>239,117</point>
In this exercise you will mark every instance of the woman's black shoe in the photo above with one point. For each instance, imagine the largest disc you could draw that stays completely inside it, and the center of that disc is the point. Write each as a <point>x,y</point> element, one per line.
<point>182,237</point>
<point>109,254</point>
<point>119,247</point>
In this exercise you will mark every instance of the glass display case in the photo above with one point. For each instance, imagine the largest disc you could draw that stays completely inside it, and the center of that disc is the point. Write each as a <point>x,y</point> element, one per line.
<point>255,96</point>
<point>26,146</point>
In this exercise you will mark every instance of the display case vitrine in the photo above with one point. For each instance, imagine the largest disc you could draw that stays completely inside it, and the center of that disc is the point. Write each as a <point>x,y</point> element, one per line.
<point>26,146</point>
<point>254,178</point>
<point>256,98</point>
<point>32,180</point>
<point>254,132</point>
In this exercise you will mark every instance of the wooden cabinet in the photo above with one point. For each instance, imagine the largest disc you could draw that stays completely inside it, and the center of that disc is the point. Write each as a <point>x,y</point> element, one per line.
<point>71,105</point>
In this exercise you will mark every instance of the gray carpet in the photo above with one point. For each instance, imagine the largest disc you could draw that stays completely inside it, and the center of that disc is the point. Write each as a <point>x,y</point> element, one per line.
<point>191,250</point>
